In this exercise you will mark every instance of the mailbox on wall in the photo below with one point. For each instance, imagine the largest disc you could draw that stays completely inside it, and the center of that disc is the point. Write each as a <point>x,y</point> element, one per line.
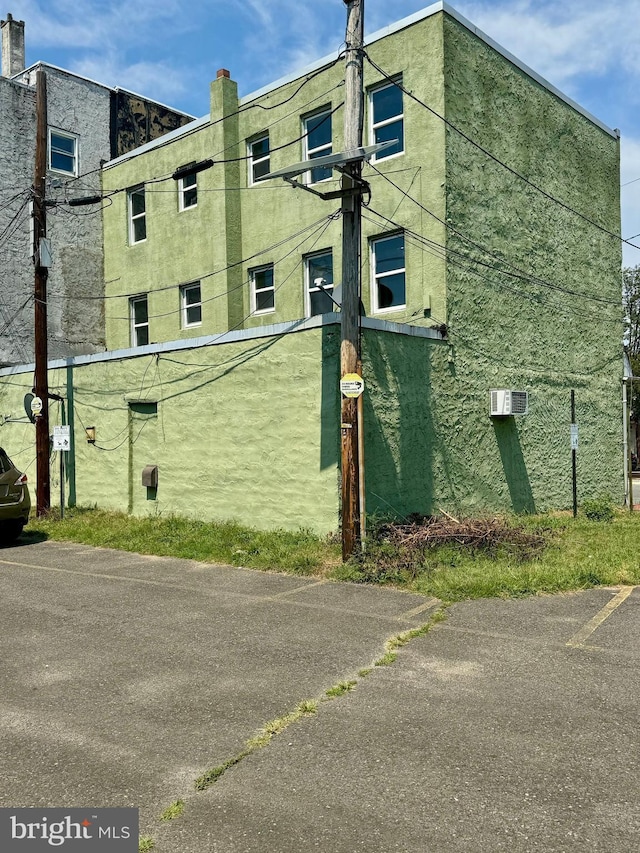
<point>150,476</point>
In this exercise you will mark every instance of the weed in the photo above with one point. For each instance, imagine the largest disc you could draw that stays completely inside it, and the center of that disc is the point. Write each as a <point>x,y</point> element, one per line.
<point>173,811</point>
<point>258,741</point>
<point>339,689</point>
<point>145,844</point>
<point>387,659</point>
<point>363,673</point>
<point>599,509</point>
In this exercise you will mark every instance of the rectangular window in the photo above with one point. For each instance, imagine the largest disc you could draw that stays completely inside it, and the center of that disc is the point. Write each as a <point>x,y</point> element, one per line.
<point>137,215</point>
<point>387,118</point>
<point>191,305</point>
<point>258,154</point>
<point>63,152</point>
<point>139,312</point>
<point>319,271</point>
<point>187,192</point>
<point>263,294</point>
<point>388,273</point>
<point>317,143</point>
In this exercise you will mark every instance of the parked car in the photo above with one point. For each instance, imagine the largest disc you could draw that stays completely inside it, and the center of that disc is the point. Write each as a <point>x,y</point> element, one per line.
<point>15,501</point>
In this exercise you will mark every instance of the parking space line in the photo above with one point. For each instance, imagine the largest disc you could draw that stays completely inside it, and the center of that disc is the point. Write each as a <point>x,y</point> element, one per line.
<point>579,640</point>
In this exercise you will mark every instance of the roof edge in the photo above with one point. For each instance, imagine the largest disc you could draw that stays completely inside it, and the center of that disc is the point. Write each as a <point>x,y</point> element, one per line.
<point>41,64</point>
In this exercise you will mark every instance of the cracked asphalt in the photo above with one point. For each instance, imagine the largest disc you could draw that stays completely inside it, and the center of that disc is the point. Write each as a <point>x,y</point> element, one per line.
<point>512,725</point>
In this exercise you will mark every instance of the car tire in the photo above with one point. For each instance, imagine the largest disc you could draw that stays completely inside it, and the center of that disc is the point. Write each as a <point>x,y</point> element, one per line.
<point>10,530</point>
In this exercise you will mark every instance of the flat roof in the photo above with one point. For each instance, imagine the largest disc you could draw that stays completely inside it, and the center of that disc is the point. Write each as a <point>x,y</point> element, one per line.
<point>402,24</point>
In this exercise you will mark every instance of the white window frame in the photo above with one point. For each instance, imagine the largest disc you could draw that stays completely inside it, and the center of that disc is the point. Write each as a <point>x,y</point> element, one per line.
<point>255,161</point>
<point>309,286</point>
<point>381,155</point>
<point>64,134</point>
<point>133,218</point>
<point>253,273</point>
<point>376,277</point>
<point>318,150</point>
<point>185,305</point>
<point>142,297</point>
<point>184,189</point>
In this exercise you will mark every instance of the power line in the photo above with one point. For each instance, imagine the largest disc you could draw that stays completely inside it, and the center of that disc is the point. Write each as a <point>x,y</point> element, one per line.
<point>497,159</point>
<point>271,248</point>
<point>519,273</point>
<point>322,224</point>
<point>466,263</point>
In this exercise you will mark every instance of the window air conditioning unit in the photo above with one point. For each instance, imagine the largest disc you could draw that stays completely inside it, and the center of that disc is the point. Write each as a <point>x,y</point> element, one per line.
<point>505,402</point>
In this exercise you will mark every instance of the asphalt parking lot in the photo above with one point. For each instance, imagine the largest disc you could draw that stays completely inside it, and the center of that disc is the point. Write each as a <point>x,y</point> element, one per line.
<point>510,726</point>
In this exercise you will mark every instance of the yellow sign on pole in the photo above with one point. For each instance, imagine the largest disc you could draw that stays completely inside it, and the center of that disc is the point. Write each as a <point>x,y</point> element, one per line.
<point>352,385</point>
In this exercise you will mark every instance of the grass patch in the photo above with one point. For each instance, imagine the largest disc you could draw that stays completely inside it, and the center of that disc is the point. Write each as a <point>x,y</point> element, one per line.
<point>571,554</point>
<point>536,554</point>
<point>297,552</point>
<point>145,844</point>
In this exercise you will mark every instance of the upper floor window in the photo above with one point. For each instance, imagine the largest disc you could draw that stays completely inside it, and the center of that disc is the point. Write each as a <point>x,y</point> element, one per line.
<point>191,305</point>
<point>388,273</point>
<point>317,143</point>
<point>187,192</point>
<point>258,154</point>
<point>139,313</point>
<point>263,293</point>
<point>319,283</point>
<point>137,215</point>
<point>63,152</point>
<point>387,118</point>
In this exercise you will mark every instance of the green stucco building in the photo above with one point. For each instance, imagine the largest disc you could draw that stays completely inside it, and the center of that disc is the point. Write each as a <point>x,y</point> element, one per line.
<point>489,261</point>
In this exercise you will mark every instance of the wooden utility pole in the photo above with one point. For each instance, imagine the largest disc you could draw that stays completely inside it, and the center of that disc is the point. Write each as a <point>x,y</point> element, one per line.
<point>41,389</point>
<point>351,283</point>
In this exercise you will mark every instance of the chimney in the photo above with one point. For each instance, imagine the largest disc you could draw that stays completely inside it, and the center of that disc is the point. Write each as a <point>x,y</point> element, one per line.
<point>12,46</point>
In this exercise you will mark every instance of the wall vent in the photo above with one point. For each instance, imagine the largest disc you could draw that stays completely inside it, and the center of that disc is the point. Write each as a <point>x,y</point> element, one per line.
<point>505,402</point>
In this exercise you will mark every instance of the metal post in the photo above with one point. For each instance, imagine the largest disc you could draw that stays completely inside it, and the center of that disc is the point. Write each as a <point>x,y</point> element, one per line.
<point>573,457</point>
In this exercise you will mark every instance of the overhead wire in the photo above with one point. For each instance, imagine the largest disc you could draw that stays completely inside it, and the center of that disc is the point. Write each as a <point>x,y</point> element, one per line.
<point>493,157</point>
<point>321,224</point>
<point>518,273</point>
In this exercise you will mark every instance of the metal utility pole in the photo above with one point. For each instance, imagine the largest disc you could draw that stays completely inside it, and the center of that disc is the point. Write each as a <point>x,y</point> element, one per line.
<point>351,241</point>
<point>41,387</point>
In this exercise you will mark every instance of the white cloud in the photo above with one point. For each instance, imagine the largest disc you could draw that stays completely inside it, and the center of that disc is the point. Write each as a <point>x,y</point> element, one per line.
<point>158,80</point>
<point>563,41</point>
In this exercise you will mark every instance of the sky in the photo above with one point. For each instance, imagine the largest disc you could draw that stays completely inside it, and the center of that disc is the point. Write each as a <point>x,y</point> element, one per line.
<point>170,51</point>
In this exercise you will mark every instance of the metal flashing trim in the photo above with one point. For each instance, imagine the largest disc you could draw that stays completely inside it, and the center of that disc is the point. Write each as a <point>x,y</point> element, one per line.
<point>270,331</point>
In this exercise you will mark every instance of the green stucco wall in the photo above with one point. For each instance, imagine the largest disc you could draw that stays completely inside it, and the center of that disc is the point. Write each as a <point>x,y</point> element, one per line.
<point>548,336</point>
<point>247,430</point>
